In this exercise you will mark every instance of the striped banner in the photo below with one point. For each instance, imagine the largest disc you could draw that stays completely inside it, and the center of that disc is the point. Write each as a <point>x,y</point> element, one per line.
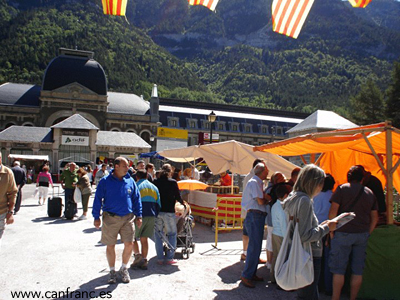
<point>211,4</point>
<point>359,3</point>
<point>114,7</point>
<point>288,16</point>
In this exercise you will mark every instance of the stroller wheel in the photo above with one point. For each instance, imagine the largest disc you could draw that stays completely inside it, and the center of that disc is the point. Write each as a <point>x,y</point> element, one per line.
<point>193,246</point>
<point>185,253</point>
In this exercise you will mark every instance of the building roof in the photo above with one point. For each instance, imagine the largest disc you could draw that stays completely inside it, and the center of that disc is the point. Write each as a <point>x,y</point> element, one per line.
<point>75,121</point>
<point>120,139</point>
<point>67,69</point>
<point>17,94</point>
<point>323,119</point>
<point>123,103</point>
<point>27,134</point>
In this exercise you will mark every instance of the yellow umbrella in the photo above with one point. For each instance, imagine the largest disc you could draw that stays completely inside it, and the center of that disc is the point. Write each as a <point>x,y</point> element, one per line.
<point>191,185</point>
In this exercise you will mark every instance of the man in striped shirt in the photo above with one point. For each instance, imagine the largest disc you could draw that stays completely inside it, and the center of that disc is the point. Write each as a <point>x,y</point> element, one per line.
<point>151,206</point>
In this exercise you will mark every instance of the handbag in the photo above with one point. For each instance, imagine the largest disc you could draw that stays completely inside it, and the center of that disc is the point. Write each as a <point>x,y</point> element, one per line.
<point>77,195</point>
<point>294,266</point>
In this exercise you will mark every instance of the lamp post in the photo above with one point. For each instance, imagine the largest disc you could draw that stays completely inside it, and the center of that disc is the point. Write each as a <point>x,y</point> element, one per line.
<point>211,118</point>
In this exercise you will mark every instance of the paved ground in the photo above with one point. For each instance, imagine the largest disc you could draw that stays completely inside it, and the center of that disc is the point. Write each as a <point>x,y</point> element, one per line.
<point>41,254</point>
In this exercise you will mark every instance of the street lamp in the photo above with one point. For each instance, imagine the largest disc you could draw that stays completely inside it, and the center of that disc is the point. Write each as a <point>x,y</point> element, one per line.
<point>211,118</point>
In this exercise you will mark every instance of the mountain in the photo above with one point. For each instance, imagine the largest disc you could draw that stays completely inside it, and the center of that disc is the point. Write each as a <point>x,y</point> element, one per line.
<point>230,55</point>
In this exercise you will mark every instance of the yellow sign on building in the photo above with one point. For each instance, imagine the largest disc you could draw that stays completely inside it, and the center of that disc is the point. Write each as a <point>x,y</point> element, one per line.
<point>163,132</point>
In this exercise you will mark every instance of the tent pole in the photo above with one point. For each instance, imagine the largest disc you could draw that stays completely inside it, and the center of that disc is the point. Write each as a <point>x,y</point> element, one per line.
<point>319,159</point>
<point>233,176</point>
<point>303,159</point>
<point>395,167</point>
<point>312,158</point>
<point>374,153</point>
<point>389,176</point>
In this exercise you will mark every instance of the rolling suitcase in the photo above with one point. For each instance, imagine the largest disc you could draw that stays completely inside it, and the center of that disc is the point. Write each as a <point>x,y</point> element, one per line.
<point>71,209</point>
<point>54,205</point>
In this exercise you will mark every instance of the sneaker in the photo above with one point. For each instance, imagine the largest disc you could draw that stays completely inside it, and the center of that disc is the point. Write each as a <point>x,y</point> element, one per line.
<point>123,272</point>
<point>39,202</point>
<point>144,265</point>
<point>83,217</point>
<point>171,262</point>
<point>137,262</point>
<point>112,277</point>
<point>160,262</point>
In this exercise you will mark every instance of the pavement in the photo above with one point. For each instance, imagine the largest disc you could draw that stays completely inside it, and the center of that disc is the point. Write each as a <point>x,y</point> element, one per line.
<point>63,259</point>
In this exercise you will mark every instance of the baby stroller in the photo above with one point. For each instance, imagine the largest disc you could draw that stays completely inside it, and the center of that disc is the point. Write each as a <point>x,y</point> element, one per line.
<point>184,238</point>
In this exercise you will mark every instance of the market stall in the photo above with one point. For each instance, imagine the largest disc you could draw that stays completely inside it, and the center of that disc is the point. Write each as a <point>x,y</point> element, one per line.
<point>377,147</point>
<point>230,155</point>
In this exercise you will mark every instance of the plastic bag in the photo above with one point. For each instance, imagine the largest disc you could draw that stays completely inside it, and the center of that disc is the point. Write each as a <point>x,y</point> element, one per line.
<point>77,195</point>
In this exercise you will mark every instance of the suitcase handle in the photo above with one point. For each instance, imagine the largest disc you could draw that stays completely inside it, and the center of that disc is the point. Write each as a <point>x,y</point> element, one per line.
<point>58,189</point>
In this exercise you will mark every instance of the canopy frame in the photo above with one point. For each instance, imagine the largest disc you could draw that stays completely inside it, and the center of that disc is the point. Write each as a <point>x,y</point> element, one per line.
<point>380,127</point>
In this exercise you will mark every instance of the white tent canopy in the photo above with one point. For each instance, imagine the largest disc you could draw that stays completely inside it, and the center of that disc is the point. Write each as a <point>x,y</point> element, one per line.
<point>28,157</point>
<point>230,155</point>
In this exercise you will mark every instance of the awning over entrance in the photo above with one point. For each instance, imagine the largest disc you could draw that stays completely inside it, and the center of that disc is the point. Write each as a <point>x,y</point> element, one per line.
<point>28,157</point>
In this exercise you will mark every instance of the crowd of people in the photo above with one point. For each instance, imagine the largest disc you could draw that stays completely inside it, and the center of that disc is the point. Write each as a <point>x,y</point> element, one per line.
<point>307,199</point>
<point>139,203</point>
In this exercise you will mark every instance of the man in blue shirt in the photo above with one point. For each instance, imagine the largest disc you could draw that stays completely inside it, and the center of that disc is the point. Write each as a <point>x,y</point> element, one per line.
<point>254,203</point>
<point>119,198</point>
<point>151,206</point>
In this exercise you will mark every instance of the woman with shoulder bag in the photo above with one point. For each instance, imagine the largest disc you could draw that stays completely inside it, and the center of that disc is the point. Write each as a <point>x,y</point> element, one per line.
<point>299,206</point>
<point>84,185</point>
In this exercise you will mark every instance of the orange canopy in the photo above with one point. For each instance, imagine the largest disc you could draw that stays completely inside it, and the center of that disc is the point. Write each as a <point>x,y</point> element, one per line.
<point>376,147</point>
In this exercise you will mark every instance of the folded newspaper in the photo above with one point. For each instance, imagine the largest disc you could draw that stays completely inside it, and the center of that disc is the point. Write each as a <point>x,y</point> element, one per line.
<point>344,218</point>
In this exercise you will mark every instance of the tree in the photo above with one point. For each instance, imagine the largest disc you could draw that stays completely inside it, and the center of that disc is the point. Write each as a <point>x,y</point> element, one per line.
<point>393,96</point>
<point>368,106</point>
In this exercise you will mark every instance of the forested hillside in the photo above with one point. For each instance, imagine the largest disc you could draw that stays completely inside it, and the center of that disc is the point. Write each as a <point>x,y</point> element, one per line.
<point>230,55</point>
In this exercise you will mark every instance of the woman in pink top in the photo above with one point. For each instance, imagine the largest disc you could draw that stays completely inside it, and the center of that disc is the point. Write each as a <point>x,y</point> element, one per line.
<point>43,181</point>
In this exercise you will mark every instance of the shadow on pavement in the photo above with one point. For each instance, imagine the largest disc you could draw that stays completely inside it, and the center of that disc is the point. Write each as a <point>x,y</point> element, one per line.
<point>154,268</point>
<point>91,230</point>
<point>231,274</point>
<point>95,288</point>
<point>53,221</point>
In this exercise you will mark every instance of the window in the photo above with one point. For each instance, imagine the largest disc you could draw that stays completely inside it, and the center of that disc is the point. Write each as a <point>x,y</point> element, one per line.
<point>206,124</point>
<point>221,126</point>
<point>173,122</point>
<point>279,130</point>
<point>247,128</point>
<point>191,123</point>
<point>234,126</point>
<point>264,129</point>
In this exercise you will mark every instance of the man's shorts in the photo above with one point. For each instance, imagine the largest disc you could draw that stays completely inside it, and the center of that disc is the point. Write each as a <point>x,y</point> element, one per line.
<point>114,225</point>
<point>147,228</point>
<point>342,246</point>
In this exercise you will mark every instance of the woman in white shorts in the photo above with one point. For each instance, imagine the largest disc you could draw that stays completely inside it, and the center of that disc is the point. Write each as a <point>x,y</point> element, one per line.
<point>43,181</point>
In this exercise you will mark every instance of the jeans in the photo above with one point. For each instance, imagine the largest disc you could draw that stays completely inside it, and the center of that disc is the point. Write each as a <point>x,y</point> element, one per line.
<point>254,223</point>
<point>310,292</point>
<point>18,200</point>
<point>165,224</point>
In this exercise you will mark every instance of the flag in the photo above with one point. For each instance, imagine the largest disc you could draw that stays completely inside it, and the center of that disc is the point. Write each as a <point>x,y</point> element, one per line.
<point>211,4</point>
<point>114,7</point>
<point>359,3</point>
<point>288,16</point>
